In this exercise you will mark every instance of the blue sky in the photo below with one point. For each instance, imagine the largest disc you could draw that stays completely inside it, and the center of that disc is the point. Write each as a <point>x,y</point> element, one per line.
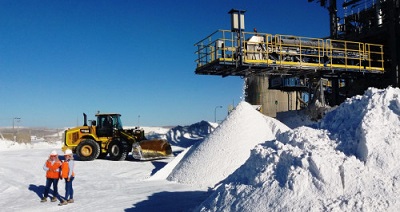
<point>60,58</point>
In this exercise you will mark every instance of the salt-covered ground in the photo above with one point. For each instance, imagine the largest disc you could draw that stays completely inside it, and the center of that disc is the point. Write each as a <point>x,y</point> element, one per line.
<point>346,162</point>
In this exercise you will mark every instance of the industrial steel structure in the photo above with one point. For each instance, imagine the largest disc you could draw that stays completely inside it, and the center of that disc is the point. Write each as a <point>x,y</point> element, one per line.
<point>218,55</point>
<point>373,21</point>
<point>361,52</point>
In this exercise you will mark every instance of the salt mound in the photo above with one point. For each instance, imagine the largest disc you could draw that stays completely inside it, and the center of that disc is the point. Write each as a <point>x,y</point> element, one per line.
<point>226,148</point>
<point>368,126</point>
<point>352,167</point>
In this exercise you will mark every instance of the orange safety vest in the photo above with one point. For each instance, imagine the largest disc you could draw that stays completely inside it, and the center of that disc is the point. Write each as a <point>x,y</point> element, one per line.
<point>65,170</point>
<point>54,169</point>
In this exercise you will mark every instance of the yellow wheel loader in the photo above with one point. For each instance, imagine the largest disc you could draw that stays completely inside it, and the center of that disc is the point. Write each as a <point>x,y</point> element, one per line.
<point>107,137</point>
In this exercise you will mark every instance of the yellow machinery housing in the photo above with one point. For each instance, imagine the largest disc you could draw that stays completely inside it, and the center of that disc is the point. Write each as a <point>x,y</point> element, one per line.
<point>107,137</point>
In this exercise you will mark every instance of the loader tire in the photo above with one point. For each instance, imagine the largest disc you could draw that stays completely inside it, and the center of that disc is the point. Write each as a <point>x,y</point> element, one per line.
<point>118,150</point>
<point>88,150</point>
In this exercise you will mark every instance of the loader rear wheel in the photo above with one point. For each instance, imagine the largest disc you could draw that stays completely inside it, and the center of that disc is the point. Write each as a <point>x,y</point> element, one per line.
<point>118,149</point>
<point>88,150</point>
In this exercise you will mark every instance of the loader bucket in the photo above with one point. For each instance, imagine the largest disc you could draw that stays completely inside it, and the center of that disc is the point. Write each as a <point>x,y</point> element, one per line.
<point>151,149</point>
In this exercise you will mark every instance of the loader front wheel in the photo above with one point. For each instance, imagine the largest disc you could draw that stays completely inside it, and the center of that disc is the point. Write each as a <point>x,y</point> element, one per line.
<point>88,150</point>
<point>118,149</point>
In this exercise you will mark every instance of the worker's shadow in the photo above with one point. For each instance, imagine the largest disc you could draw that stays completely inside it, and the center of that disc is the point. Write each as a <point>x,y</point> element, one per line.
<point>37,189</point>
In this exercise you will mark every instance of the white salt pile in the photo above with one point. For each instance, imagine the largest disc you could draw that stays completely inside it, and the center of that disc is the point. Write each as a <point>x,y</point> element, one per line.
<point>226,148</point>
<point>349,164</point>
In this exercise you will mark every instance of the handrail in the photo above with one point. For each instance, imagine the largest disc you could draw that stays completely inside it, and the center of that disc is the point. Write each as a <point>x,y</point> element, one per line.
<point>208,37</point>
<point>288,51</point>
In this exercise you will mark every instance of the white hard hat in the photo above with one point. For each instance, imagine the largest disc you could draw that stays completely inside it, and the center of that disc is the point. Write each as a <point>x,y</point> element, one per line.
<point>68,152</point>
<point>54,152</point>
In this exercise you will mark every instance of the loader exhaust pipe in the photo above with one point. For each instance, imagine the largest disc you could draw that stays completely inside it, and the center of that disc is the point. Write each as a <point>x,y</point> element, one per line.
<point>84,119</point>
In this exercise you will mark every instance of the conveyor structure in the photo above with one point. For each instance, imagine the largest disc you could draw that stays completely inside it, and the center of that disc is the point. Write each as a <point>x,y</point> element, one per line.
<point>226,53</point>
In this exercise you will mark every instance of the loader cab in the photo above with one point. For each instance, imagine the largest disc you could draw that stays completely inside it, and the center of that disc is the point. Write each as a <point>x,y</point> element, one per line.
<point>106,123</point>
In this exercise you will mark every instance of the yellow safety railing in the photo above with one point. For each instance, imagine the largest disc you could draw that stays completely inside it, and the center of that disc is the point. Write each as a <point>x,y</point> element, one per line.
<point>344,54</point>
<point>287,51</point>
<point>299,52</point>
<point>219,46</point>
<point>374,57</point>
<point>257,48</point>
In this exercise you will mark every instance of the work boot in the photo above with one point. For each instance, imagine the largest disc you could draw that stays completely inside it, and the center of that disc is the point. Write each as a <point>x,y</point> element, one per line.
<point>44,199</point>
<point>70,201</point>
<point>63,202</point>
<point>54,199</point>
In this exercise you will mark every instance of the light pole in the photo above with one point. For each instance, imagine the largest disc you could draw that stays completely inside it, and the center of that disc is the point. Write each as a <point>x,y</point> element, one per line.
<point>15,118</point>
<point>215,113</point>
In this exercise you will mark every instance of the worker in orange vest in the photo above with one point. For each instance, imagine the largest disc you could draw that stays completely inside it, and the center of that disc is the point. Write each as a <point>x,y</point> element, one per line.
<point>52,166</point>
<point>67,173</point>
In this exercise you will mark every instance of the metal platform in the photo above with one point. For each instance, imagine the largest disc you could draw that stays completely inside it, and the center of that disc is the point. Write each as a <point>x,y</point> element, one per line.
<point>226,53</point>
